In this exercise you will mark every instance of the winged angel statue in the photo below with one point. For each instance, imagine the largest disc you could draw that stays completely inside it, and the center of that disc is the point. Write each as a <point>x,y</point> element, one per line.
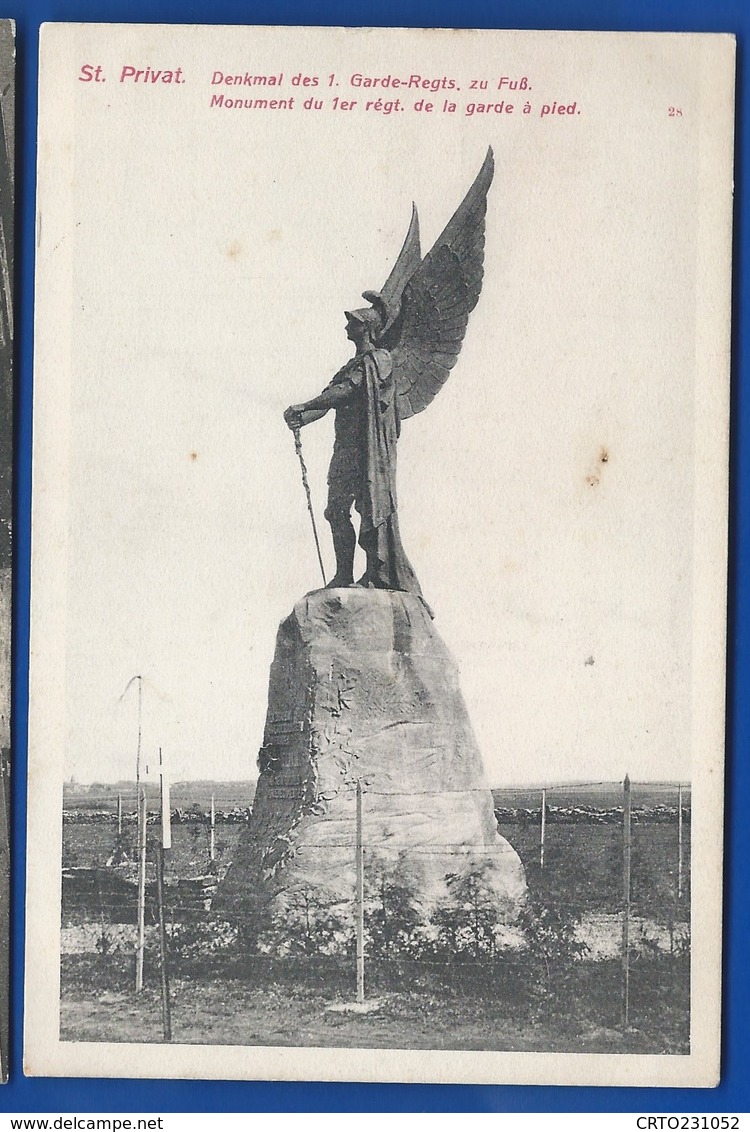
<point>407,341</point>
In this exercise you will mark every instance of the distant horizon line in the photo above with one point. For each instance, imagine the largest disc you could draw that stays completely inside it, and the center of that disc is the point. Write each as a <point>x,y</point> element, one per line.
<point>535,785</point>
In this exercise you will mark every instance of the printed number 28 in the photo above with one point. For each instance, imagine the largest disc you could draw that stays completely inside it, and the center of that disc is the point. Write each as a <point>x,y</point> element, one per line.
<point>675,112</point>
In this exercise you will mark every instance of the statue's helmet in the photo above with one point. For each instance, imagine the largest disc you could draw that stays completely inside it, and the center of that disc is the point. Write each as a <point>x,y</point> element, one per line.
<point>368,318</point>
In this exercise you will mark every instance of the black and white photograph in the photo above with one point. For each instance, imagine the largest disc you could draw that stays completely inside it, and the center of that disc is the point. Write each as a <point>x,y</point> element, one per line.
<point>376,708</point>
<point>7,197</point>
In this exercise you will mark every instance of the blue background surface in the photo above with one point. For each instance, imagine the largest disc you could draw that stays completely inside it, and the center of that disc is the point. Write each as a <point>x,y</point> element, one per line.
<point>733,1094</point>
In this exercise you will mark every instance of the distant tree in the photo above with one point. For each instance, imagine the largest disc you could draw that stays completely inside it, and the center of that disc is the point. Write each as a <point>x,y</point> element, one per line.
<point>308,924</point>
<point>392,909</point>
<point>467,921</point>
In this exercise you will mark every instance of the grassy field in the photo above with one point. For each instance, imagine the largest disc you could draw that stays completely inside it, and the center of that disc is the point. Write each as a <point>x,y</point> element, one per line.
<point>89,846</point>
<point>600,795</point>
<point>281,1006</point>
<point>549,1000</point>
<point>583,864</point>
<point>583,861</point>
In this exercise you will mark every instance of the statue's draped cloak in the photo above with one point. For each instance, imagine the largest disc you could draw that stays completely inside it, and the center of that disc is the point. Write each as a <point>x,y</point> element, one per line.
<point>371,378</point>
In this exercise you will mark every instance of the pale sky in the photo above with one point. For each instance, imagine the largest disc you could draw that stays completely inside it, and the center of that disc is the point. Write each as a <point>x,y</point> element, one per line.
<point>546,495</point>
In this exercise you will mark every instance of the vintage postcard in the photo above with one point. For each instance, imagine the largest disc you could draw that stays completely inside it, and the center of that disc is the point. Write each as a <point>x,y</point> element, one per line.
<point>334,776</point>
<point>7,197</point>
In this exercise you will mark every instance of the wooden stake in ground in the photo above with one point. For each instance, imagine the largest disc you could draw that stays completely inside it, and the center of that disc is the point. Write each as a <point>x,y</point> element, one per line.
<point>679,842</point>
<point>140,806</point>
<point>141,919</point>
<point>166,1012</point>
<point>543,829</point>
<point>166,843</point>
<point>166,814</point>
<point>212,844</point>
<point>626,903</point>
<point>360,901</point>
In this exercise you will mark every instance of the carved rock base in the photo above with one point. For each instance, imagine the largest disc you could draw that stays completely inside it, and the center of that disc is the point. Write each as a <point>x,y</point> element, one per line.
<point>362,687</point>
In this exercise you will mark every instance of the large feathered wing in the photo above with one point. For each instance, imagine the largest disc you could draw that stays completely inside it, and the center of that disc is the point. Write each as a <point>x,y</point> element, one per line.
<point>426,339</point>
<point>409,259</point>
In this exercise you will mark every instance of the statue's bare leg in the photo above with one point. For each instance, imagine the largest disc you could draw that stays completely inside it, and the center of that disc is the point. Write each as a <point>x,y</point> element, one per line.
<point>344,543</point>
<point>369,545</point>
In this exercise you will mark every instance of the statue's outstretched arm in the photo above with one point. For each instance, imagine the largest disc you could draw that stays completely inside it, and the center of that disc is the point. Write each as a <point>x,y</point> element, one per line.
<point>297,416</point>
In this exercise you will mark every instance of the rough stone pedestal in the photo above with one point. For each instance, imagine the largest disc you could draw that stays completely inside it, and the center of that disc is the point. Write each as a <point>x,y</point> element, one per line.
<point>362,687</point>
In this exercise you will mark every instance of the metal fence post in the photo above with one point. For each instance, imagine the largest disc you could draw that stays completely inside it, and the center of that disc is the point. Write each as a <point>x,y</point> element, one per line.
<point>141,930</point>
